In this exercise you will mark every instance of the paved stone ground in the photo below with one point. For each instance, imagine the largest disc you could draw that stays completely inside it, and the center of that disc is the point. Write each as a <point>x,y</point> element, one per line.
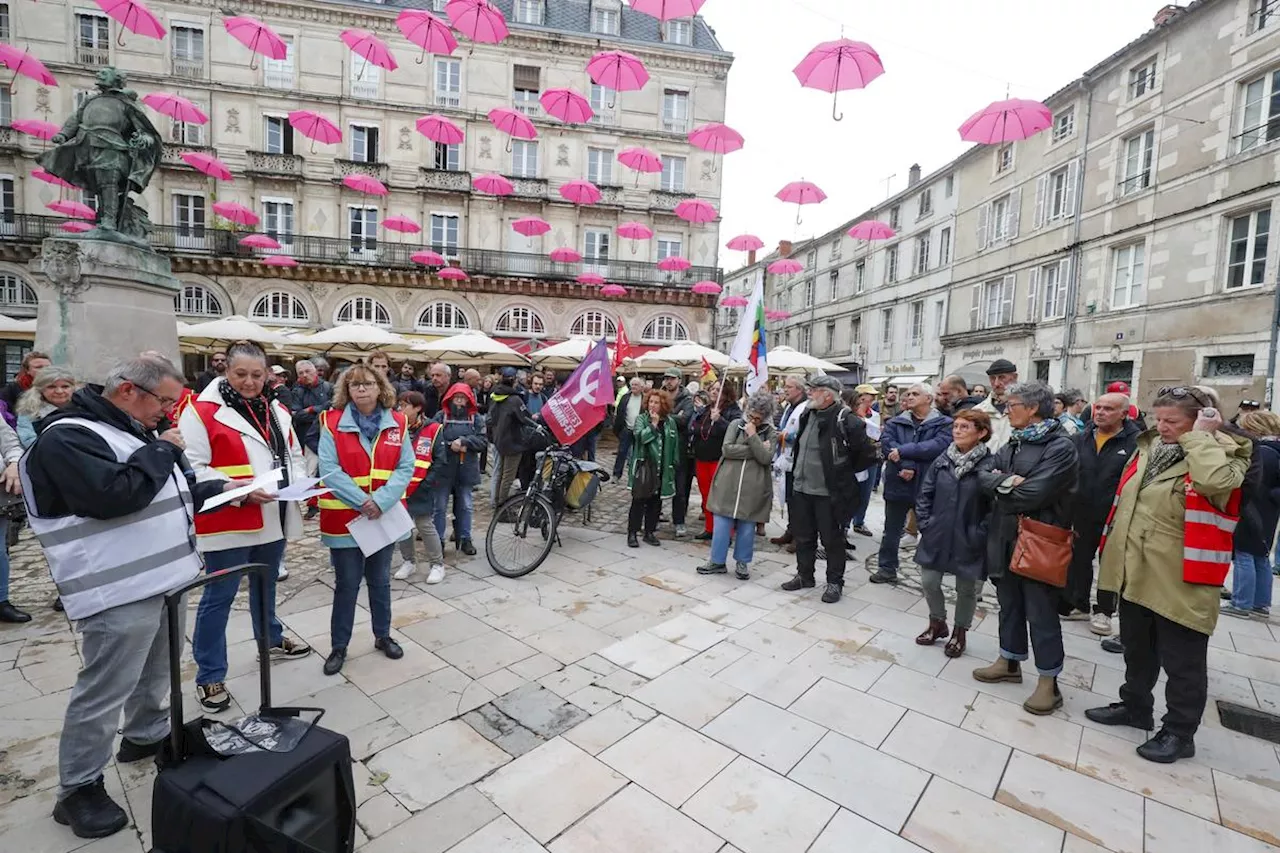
<point>615,700</point>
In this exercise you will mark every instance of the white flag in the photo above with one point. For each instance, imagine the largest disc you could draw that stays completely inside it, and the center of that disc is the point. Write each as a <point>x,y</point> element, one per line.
<point>749,346</point>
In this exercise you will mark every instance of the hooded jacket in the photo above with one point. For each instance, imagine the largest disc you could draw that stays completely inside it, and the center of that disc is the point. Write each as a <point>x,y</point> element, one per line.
<point>1100,471</point>
<point>507,416</point>
<point>918,444</point>
<point>1260,511</point>
<point>449,468</point>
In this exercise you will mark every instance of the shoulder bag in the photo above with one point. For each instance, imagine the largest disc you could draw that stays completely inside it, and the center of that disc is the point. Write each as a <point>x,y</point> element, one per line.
<point>1042,552</point>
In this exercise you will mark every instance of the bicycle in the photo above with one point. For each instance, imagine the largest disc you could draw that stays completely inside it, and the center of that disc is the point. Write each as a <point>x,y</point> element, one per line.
<point>525,527</point>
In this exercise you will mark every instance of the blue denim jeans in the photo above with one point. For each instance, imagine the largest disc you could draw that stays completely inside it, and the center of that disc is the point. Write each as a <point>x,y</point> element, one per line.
<point>463,508</point>
<point>350,565</point>
<point>895,521</point>
<point>4,559</point>
<point>624,451</point>
<point>864,498</point>
<point>209,639</point>
<point>1251,581</point>
<point>743,545</point>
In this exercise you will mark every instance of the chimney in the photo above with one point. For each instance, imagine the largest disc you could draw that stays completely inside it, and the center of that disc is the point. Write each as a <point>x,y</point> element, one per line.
<point>784,248</point>
<point>1168,13</point>
<point>913,175</point>
<point>751,257</point>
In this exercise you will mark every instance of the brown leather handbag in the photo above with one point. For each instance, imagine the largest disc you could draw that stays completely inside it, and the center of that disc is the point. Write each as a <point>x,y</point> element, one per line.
<point>1042,552</point>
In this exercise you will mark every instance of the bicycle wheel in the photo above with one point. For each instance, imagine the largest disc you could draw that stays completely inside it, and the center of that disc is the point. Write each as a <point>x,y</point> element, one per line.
<point>520,535</point>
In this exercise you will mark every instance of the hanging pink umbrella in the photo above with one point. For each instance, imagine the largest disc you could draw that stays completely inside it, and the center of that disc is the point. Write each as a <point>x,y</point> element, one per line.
<point>20,62</point>
<point>872,229</point>
<point>590,278</point>
<point>777,315</point>
<point>75,226</point>
<point>635,231</point>
<point>835,66</point>
<point>452,274</point>
<point>567,105</point>
<point>257,36</point>
<point>437,128</point>
<point>613,290</point>
<point>428,258</point>
<point>565,256</point>
<point>617,71</point>
<point>512,123</point>
<point>734,302</point>
<point>709,288</point>
<point>206,164</point>
<point>668,10</point>
<point>73,209</point>
<point>135,17</point>
<point>1006,121</point>
<point>236,213</point>
<point>695,211</point>
<point>50,178</point>
<point>478,20</point>
<point>315,127</point>
<point>640,160</point>
<point>786,266</point>
<point>401,224</point>
<point>45,130</point>
<point>745,243</point>
<point>531,226</point>
<point>427,32</point>
<point>716,138</point>
<point>259,241</point>
<point>493,185</point>
<point>279,261</point>
<point>580,192</point>
<point>674,264</point>
<point>175,107</point>
<point>364,184</point>
<point>799,193</point>
<point>370,48</point>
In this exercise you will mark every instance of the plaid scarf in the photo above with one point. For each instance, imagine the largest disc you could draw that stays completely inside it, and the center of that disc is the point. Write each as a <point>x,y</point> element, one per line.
<point>965,461</point>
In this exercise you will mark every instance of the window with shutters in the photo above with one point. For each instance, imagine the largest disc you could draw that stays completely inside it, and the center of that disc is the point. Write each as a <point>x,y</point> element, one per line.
<point>673,174</point>
<point>920,255</point>
<point>891,265</point>
<point>277,135</point>
<point>363,231</point>
<point>1047,291</point>
<point>836,249</point>
<point>197,301</point>
<point>364,143</point>
<point>916,330</point>
<point>675,111</point>
<point>944,246</point>
<point>831,337</point>
<point>939,318</point>
<point>1247,244</point>
<point>664,329</point>
<point>363,309</point>
<point>595,324</point>
<point>998,219</point>
<point>520,321</point>
<point>1260,112</point>
<point>895,217</point>
<point>1064,124</point>
<point>600,166</point>
<point>855,332</point>
<point>811,259</point>
<point>448,158</point>
<point>280,306</point>
<point>365,77</point>
<point>1004,158</point>
<point>1061,191</point>
<point>924,206</point>
<point>859,277</point>
<point>886,329</point>
<point>444,234</point>
<point>992,303</point>
<point>1138,152</point>
<point>1128,275</point>
<point>527,86</point>
<point>808,293</point>
<point>278,73</point>
<point>442,316</point>
<point>834,285</point>
<point>524,158</point>
<point>448,82</point>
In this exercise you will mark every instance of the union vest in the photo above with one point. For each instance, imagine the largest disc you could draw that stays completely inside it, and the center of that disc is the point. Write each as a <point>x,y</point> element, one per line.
<point>1206,536</point>
<point>229,456</point>
<point>370,471</point>
<point>422,456</point>
<point>98,564</point>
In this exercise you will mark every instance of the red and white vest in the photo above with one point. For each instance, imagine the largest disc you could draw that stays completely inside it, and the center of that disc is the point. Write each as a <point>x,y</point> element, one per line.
<point>227,455</point>
<point>422,456</point>
<point>370,471</point>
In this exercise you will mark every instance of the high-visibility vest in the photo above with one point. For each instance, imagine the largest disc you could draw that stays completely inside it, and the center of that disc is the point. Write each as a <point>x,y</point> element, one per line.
<point>188,397</point>
<point>422,456</point>
<point>370,471</point>
<point>98,564</point>
<point>227,455</point>
<point>1208,533</point>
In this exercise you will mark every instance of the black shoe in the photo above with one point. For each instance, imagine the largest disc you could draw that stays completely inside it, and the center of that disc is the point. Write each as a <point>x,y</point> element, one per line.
<point>1167,747</point>
<point>90,812</point>
<point>1113,645</point>
<point>467,548</point>
<point>798,583</point>
<point>389,647</point>
<point>651,539</point>
<point>862,530</point>
<point>885,577</point>
<point>1225,595</point>
<point>704,536</point>
<point>57,604</point>
<point>632,541</point>
<point>9,613</point>
<point>849,546</point>
<point>831,594</point>
<point>1120,714</point>
<point>312,512</point>
<point>130,751</point>
<point>713,569</point>
<point>333,663</point>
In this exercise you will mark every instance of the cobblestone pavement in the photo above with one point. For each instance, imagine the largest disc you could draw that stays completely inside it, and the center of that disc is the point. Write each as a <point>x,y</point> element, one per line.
<point>615,700</point>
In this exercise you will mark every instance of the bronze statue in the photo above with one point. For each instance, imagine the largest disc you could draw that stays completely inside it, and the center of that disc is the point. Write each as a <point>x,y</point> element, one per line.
<point>110,149</point>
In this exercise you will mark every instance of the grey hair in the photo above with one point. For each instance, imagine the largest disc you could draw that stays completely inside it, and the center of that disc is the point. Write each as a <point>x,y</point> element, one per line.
<point>925,388</point>
<point>795,380</point>
<point>298,364</point>
<point>32,400</point>
<point>761,403</point>
<point>321,364</point>
<point>143,372</point>
<point>1034,394</point>
<point>956,381</point>
<point>246,349</point>
<point>1211,394</point>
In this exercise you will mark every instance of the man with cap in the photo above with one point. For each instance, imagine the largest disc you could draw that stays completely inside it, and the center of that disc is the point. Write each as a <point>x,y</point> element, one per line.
<point>1002,374</point>
<point>279,379</point>
<point>508,418</point>
<point>682,411</point>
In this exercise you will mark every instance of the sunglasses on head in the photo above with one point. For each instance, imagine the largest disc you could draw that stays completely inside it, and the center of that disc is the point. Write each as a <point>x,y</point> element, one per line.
<point>1180,392</point>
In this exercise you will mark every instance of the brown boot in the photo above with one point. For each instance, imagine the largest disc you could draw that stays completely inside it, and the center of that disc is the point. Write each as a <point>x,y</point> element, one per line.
<point>936,631</point>
<point>1001,670</point>
<point>784,539</point>
<point>955,646</point>
<point>1046,699</point>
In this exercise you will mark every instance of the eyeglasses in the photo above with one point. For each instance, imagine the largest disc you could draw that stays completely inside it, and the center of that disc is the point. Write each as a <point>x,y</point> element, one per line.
<point>358,384</point>
<point>165,402</point>
<point>1181,392</point>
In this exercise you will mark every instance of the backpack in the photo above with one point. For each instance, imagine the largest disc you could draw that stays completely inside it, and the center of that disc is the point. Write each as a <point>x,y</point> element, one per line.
<point>863,452</point>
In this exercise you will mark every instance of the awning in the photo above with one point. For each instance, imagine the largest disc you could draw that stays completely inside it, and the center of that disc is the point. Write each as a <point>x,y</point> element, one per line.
<point>525,346</point>
<point>907,380</point>
<point>877,380</point>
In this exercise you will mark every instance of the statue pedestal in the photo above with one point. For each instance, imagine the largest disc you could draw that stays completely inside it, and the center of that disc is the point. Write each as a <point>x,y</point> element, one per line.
<point>103,303</point>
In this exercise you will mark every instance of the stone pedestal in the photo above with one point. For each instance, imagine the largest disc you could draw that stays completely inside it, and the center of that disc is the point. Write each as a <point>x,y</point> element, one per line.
<point>105,302</point>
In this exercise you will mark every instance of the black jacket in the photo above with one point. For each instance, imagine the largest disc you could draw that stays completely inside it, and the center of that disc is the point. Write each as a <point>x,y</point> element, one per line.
<point>1100,471</point>
<point>402,385</point>
<point>953,515</point>
<point>306,404</point>
<point>706,438</point>
<point>1260,510</point>
<point>1050,468</point>
<point>963,404</point>
<point>840,446</point>
<point>203,380</point>
<point>507,415</point>
<point>74,472</point>
<point>682,409</point>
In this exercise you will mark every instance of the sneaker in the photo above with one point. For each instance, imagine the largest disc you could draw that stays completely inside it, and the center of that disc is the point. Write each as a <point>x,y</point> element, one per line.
<point>436,573</point>
<point>798,583</point>
<point>1076,615</point>
<point>908,542</point>
<point>831,594</point>
<point>131,751</point>
<point>1100,624</point>
<point>862,530</point>
<point>742,571</point>
<point>710,568</point>
<point>885,577</point>
<point>90,812</point>
<point>289,649</point>
<point>1261,613</point>
<point>282,574</point>
<point>704,536</point>
<point>1238,612</point>
<point>680,531</point>
<point>406,570</point>
<point>213,697</point>
<point>468,547</point>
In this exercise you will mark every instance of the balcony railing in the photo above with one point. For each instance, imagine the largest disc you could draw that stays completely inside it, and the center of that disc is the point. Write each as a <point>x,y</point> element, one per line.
<point>342,168</point>
<point>611,194</point>
<point>93,55</point>
<point>442,179</point>
<point>667,200</point>
<point>264,163</point>
<point>219,243</point>
<point>171,153</point>
<point>530,187</point>
<point>192,69</point>
<point>8,138</point>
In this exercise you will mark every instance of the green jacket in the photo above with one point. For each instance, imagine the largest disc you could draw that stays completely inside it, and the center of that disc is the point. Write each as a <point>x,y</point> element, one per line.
<point>662,445</point>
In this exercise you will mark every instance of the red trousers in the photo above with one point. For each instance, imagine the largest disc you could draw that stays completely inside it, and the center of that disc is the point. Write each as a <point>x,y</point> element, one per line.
<point>705,472</point>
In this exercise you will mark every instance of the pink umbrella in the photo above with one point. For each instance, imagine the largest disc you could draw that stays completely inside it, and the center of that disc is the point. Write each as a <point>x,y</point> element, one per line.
<point>428,258</point>
<point>590,278</point>
<point>697,212</point>
<point>364,184</point>
<point>50,178</point>
<point>315,127</point>
<point>617,70</point>
<point>452,274</point>
<point>613,290</point>
<point>531,226</point>
<point>717,138</point>
<point>45,130</point>
<point>777,315</point>
<point>175,107</point>
<point>674,264</point>
<point>512,123</point>
<point>76,227</point>
<point>801,192</point>
<point>401,224</point>
<point>745,243</point>
<point>279,261</point>
<point>567,105</point>
<point>369,47</point>
<point>786,266</point>
<point>257,36</point>
<point>478,20</point>
<point>834,66</point>
<point>734,302</point>
<point>20,62</point>
<point>206,164</point>
<point>493,185</point>
<point>427,32</point>
<point>872,229</point>
<point>580,192</point>
<point>135,17</point>
<point>710,288</point>
<point>640,160</point>
<point>73,209</point>
<point>565,256</point>
<point>667,10</point>
<point>635,231</point>
<point>259,241</point>
<point>236,213</point>
<point>1006,121</point>
<point>437,128</point>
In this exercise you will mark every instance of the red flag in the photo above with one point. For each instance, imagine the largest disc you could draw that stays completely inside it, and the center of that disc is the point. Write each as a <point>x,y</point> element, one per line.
<point>583,398</point>
<point>621,347</point>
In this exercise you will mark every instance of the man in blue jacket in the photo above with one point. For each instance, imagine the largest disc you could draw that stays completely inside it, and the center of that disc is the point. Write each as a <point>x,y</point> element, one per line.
<point>910,442</point>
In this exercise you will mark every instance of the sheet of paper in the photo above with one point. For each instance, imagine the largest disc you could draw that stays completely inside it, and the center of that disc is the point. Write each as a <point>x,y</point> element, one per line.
<point>302,489</point>
<point>267,482</point>
<point>374,534</point>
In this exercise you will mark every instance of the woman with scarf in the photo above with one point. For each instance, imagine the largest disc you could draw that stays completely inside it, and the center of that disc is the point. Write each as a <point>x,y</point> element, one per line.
<point>741,495</point>
<point>1171,501</point>
<point>953,514</point>
<point>236,430</point>
<point>367,461</point>
<point>50,391</point>
<point>455,465</point>
<point>707,430</point>
<point>1034,476</point>
<point>655,451</point>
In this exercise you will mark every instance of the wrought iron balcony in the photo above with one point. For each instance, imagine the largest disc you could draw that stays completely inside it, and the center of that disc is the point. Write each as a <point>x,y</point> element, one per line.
<point>444,179</point>
<point>264,163</point>
<point>191,69</point>
<point>171,154</point>
<point>93,55</point>
<point>665,200</point>
<point>342,168</point>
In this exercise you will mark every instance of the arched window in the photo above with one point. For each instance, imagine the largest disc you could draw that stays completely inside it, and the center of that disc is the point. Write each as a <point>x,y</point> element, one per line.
<point>363,309</point>
<point>282,306</point>
<point>16,293</point>
<point>665,329</point>
<point>521,321</point>
<point>197,301</point>
<point>594,324</point>
<point>443,317</point>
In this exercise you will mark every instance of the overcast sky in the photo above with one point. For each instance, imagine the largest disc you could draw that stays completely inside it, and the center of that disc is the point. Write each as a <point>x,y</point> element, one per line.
<point>943,59</point>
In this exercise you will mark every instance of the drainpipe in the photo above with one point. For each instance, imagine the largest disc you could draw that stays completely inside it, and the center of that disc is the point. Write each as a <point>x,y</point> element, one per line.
<point>1271,351</point>
<point>1077,253</point>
